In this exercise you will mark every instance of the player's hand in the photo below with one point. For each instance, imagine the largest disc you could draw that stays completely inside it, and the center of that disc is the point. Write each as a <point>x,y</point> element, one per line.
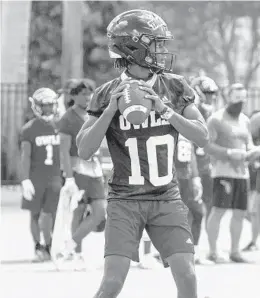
<point>158,104</point>
<point>197,187</point>
<point>76,198</point>
<point>28,189</point>
<point>115,95</point>
<point>70,186</point>
<point>237,154</point>
<point>253,154</point>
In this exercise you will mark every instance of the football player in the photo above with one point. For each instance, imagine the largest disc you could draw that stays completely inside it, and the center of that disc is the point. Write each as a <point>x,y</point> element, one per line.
<point>254,196</point>
<point>207,91</point>
<point>230,147</point>
<point>81,174</point>
<point>191,191</point>
<point>41,181</point>
<point>144,190</point>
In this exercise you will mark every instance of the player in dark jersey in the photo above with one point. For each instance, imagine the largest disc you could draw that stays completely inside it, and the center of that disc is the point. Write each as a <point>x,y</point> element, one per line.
<point>41,182</point>
<point>143,190</point>
<point>254,196</point>
<point>81,174</point>
<point>207,91</point>
<point>191,191</point>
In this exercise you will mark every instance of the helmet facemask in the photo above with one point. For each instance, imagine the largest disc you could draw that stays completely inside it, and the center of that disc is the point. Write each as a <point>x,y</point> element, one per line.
<point>138,50</point>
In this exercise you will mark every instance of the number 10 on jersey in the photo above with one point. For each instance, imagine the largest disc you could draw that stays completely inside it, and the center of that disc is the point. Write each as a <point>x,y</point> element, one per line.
<point>136,177</point>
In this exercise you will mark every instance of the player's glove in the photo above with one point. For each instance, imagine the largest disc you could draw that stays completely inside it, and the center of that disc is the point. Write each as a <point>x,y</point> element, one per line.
<point>198,189</point>
<point>28,189</point>
<point>76,198</point>
<point>70,186</point>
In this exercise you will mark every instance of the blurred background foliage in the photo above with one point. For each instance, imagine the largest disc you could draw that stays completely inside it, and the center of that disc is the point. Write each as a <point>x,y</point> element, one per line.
<point>219,38</point>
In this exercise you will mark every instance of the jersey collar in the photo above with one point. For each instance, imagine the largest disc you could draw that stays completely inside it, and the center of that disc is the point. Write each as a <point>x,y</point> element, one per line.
<point>150,82</point>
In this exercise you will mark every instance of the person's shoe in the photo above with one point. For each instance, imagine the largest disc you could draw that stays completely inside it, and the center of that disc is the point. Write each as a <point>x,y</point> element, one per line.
<point>237,258</point>
<point>39,253</point>
<point>47,253</point>
<point>217,259</point>
<point>202,261</point>
<point>251,247</point>
<point>68,251</point>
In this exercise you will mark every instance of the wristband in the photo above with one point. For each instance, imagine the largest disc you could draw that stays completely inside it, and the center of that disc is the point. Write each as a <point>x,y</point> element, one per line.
<point>167,113</point>
<point>196,180</point>
<point>70,179</point>
<point>229,152</point>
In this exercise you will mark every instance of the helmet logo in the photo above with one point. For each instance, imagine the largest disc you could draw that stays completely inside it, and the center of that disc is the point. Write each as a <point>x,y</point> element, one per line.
<point>154,25</point>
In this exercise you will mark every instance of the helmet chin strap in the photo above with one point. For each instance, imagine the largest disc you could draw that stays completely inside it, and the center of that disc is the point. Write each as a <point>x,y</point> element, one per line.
<point>48,118</point>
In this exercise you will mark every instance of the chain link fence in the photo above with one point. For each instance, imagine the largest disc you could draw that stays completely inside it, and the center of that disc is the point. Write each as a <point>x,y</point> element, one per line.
<point>14,103</point>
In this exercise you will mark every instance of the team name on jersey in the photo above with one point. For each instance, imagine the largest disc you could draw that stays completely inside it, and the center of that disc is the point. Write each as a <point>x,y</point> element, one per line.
<point>47,140</point>
<point>151,121</point>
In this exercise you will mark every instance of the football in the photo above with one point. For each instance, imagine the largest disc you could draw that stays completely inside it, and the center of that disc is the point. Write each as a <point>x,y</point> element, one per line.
<point>133,105</point>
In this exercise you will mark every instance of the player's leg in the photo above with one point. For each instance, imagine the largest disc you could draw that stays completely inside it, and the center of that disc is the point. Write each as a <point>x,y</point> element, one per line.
<point>207,196</point>
<point>222,200</point>
<point>171,235</point>
<point>95,195</point>
<point>89,223</point>
<point>253,212</point>
<point>35,207</point>
<point>239,205</point>
<point>49,211</point>
<point>115,272</point>
<point>125,223</point>
<point>195,214</point>
<point>79,213</point>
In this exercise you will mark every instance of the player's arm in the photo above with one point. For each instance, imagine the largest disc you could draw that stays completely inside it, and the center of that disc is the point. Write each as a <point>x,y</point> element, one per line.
<point>25,159</point>
<point>27,186</point>
<point>191,124</point>
<point>218,151</point>
<point>212,148</point>
<point>253,152</point>
<point>65,144</point>
<point>94,129</point>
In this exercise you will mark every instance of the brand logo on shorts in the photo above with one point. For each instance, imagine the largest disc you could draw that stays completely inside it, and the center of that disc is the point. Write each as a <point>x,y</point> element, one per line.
<point>227,186</point>
<point>189,241</point>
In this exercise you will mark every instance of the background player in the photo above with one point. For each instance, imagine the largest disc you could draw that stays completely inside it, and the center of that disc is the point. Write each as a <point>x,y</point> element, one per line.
<point>80,174</point>
<point>40,172</point>
<point>207,91</point>
<point>230,147</point>
<point>190,190</point>
<point>254,196</point>
<point>144,194</point>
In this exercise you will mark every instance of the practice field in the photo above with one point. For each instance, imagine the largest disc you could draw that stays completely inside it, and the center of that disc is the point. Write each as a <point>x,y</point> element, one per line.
<point>22,279</point>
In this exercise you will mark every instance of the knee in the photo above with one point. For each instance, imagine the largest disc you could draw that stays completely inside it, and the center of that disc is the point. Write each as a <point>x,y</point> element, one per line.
<point>182,264</point>
<point>217,212</point>
<point>111,286</point>
<point>44,217</point>
<point>35,217</point>
<point>238,215</point>
<point>98,211</point>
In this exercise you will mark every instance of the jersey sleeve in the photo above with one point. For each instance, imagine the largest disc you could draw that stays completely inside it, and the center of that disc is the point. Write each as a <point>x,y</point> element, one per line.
<point>101,98</point>
<point>26,134</point>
